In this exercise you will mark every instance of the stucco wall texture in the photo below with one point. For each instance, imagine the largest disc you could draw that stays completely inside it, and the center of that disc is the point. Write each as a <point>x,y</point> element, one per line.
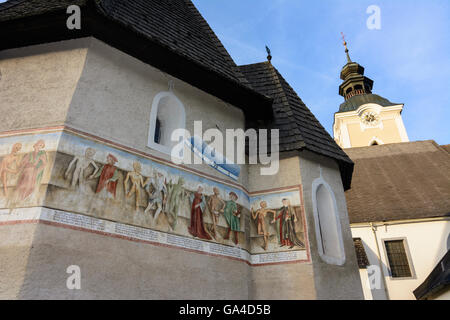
<point>89,86</point>
<point>119,269</point>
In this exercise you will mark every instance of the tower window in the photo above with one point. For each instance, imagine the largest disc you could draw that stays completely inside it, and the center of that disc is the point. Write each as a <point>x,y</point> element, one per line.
<point>359,89</point>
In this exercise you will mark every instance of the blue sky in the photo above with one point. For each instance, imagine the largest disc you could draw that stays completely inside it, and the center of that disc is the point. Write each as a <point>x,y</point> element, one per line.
<point>408,59</point>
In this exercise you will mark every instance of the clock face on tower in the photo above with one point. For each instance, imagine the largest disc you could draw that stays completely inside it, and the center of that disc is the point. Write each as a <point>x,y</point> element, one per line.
<point>370,118</point>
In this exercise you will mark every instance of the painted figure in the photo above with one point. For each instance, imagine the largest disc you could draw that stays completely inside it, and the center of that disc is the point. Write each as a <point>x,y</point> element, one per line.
<point>216,206</point>
<point>31,170</point>
<point>109,176</point>
<point>176,196</point>
<point>260,215</point>
<point>159,195</point>
<point>10,164</point>
<point>232,215</point>
<point>81,164</point>
<point>286,225</point>
<point>137,181</point>
<point>196,228</point>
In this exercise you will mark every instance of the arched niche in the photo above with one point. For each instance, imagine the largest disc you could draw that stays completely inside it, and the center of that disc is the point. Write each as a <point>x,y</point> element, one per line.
<point>167,115</point>
<point>327,223</point>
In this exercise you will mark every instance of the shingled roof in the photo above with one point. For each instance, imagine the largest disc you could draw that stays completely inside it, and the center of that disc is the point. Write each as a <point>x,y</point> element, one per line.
<point>399,181</point>
<point>173,23</point>
<point>17,9</point>
<point>437,282</point>
<point>299,128</point>
<point>170,35</point>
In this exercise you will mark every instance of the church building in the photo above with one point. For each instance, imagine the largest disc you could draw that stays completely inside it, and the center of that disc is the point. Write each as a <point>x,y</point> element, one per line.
<point>399,202</point>
<point>94,203</point>
<point>365,119</point>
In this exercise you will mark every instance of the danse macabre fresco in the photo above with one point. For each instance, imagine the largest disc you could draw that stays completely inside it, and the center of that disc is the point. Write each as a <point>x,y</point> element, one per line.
<point>91,178</point>
<point>277,222</point>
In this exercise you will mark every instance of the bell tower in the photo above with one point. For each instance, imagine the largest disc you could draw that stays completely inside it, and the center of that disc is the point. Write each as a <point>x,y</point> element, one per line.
<point>365,119</point>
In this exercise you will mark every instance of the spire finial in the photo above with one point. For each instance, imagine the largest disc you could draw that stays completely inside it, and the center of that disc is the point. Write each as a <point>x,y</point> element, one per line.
<point>269,55</point>
<point>346,49</point>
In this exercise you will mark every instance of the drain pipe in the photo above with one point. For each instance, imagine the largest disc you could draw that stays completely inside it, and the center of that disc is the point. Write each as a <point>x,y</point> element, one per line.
<point>380,264</point>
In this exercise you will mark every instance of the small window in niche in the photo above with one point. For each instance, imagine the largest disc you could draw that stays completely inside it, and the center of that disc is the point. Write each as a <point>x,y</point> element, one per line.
<point>158,131</point>
<point>166,117</point>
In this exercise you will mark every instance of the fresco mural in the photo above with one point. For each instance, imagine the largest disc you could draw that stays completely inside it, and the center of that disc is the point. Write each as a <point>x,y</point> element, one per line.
<point>278,222</point>
<point>94,179</point>
<point>260,217</point>
<point>30,171</point>
<point>81,164</point>
<point>10,165</point>
<point>24,171</point>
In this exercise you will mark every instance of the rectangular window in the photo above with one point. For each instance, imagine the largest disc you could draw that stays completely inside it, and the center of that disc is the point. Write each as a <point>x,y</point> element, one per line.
<point>361,255</point>
<point>397,258</point>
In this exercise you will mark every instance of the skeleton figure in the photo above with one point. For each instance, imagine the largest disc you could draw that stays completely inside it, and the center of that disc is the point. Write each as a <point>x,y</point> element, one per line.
<point>260,215</point>
<point>6,165</point>
<point>216,206</point>
<point>137,181</point>
<point>158,196</point>
<point>81,164</point>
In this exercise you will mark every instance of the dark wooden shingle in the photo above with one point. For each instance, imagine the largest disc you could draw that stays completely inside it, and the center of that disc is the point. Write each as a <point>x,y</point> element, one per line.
<point>299,128</point>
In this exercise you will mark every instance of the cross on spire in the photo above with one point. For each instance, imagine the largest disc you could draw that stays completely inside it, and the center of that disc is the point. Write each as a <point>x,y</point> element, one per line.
<point>269,55</point>
<point>346,49</point>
